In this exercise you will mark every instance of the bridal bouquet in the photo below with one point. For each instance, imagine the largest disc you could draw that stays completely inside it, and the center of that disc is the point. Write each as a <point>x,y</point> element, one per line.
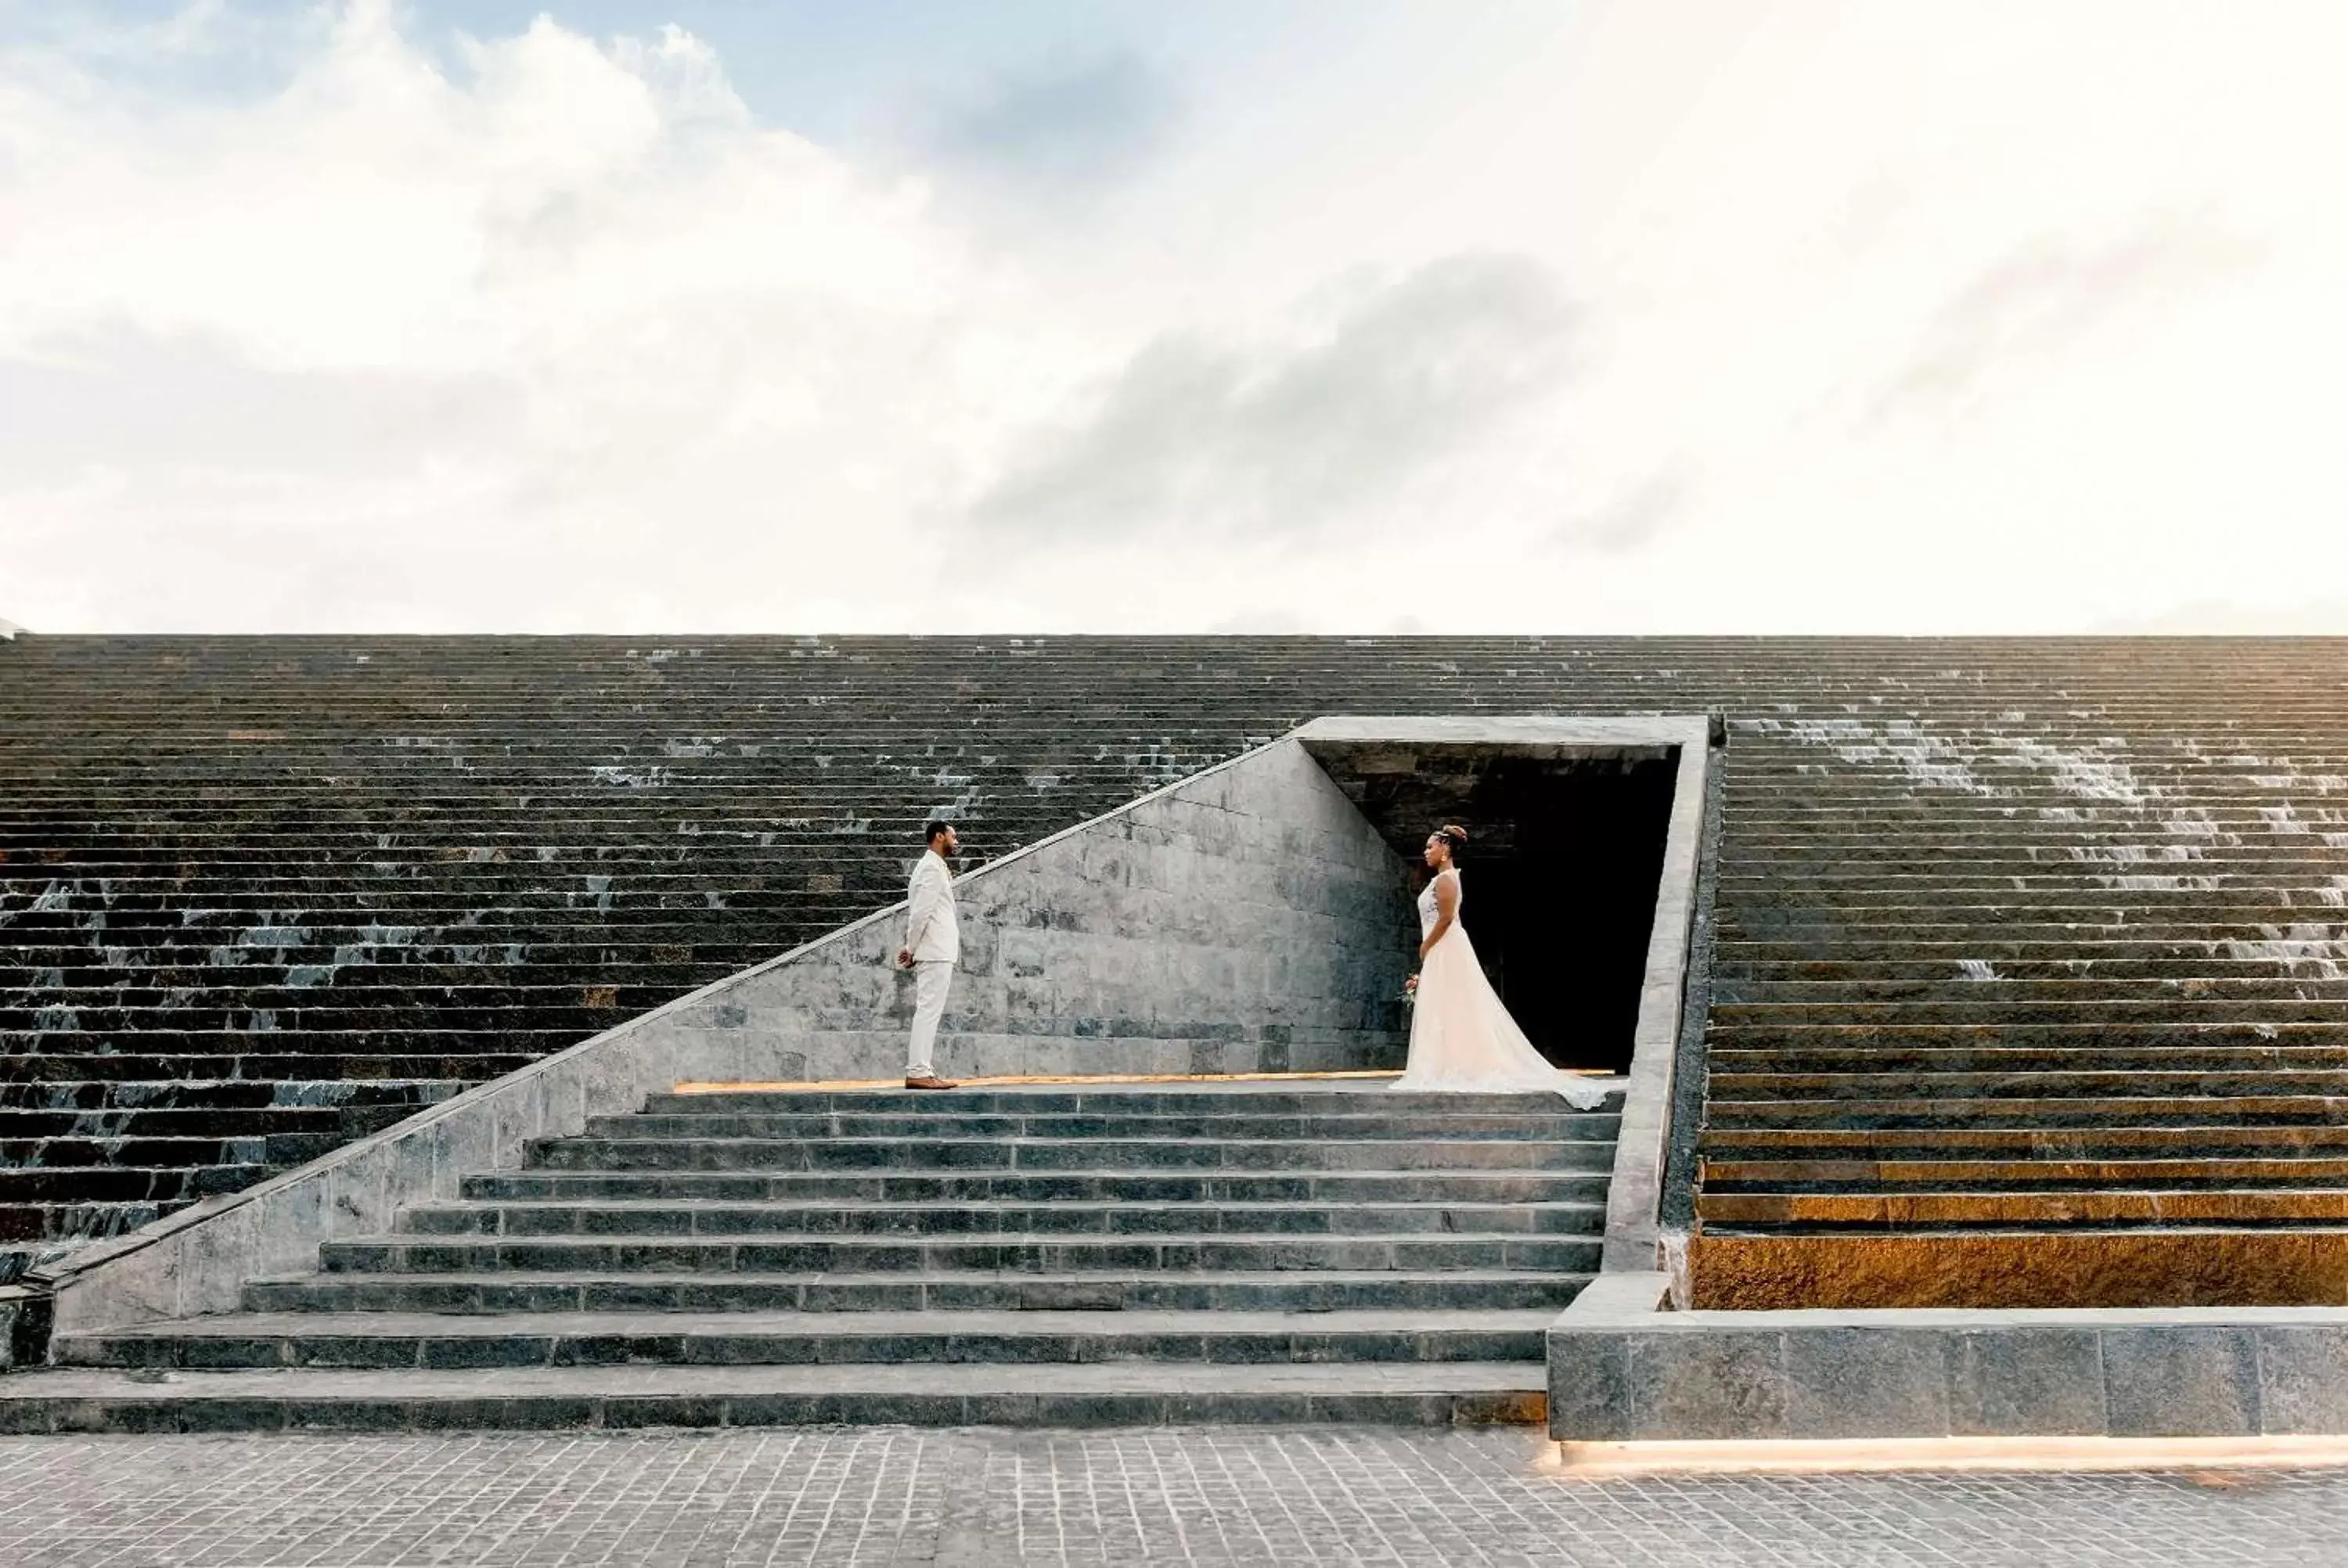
<point>1410,992</point>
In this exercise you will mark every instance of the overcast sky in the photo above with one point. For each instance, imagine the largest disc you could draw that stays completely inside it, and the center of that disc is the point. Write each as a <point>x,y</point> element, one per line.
<point>1940,315</point>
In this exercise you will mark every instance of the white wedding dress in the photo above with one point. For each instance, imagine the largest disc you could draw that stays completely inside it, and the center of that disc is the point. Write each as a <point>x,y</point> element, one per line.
<point>1462,1040</point>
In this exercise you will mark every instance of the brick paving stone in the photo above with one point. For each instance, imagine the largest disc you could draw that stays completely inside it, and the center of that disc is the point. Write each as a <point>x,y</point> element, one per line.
<point>972,1499</point>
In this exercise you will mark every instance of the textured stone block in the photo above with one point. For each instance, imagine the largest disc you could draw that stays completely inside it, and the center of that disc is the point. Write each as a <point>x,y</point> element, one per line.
<point>2303,1377</point>
<point>1953,1268</point>
<point>219,1256</point>
<point>1865,1382</point>
<point>2025,1381</point>
<point>1716,1385</point>
<point>2178,1381</point>
<point>1591,1397</point>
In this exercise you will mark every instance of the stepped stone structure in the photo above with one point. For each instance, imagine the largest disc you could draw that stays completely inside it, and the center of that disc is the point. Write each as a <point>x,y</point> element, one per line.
<point>2019,965</point>
<point>1135,1255</point>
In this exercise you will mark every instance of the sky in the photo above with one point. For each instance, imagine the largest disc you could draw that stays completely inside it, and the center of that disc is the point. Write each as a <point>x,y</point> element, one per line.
<point>1363,316</point>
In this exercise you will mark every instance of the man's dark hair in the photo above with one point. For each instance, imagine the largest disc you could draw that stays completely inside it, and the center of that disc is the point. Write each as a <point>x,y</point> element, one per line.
<point>937,826</point>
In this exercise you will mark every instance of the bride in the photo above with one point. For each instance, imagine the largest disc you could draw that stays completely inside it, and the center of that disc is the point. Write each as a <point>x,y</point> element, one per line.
<point>1462,1040</point>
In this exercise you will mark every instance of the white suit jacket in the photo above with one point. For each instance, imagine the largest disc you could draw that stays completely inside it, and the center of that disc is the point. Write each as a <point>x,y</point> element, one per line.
<point>930,930</point>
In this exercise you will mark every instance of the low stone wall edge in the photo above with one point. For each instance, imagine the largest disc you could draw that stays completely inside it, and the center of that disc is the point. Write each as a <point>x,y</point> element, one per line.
<point>1618,1375</point>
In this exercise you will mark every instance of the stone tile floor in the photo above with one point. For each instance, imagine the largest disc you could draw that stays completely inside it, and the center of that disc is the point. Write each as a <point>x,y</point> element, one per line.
<point>982,1497</point>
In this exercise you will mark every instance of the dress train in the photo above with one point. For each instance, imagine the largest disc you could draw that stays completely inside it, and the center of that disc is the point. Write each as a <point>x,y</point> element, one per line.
<point>1462,1040</point>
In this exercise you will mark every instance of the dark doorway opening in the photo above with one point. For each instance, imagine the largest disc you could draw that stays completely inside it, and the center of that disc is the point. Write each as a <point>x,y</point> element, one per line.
<point>1561,883</point>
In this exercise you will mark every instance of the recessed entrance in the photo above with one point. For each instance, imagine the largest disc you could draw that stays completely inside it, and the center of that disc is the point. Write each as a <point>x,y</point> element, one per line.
<point>1564,872</point>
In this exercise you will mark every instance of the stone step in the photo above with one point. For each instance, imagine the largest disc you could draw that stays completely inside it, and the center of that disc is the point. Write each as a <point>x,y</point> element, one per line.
<point>423,1340</point>
<point>494,851</point>
<point>1049,1253</point>
<point>1859,994</point>
<point>2272,966</point>
<point>1588,1153</point>
<point>2266,1085</point>
<point>2087,1141</point>
<point>647,882</point>
<point>2053,838</point>
<point>277,1065</point>
<point>1955,1009</point>
<point>1731,1175</point>
<point>1120,1217</point>
<point>268,1148</point>
<point>81,1220</point>
<point>2110,1209</point>
<point>1759,762</point>
<point>1374,1097</point>
<point>2070,951</point>
<point>1043,1186</point>
<point>1983,931</point>
<point>338,1121</point>
<point>565,1399</point>
<point>1765,815</point>
<point>2305,862</point>
<point>2228,1111</point>
<point>2022,1036</point>
<point>2084,895</point>
<point>151,973</point>
<point>1262,1290</point>
<point>312,1008</point>
<point>185,935</point>
<point>223,1094</point>
<point>1868,1057</point>
<point>1230,1124</point>
<point>399,1051</point>
<point>123,1183</point>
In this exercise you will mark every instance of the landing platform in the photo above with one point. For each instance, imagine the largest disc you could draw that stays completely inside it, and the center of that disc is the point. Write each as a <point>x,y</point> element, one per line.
<point>1238,1082</point>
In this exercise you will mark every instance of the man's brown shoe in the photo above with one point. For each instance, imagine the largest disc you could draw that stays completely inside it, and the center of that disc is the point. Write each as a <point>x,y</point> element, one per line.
<point>932,1081</point>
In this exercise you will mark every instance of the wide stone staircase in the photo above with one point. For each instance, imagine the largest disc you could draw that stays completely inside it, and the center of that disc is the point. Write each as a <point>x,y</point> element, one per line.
<point>2065,1028</point>
<point>1062,1256</point>
<point>2024,949</point>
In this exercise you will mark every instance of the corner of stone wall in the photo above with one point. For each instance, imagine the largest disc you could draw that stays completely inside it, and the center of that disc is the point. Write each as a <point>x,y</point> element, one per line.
<point>25,1318</point>
<point>1676,1211</point>
<point>1635,1218</point>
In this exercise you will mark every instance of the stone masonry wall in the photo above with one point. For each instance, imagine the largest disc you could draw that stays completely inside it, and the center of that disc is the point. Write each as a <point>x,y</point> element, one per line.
<point>1251,920</point>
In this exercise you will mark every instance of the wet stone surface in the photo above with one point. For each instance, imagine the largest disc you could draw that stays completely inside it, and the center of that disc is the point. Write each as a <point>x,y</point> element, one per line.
<point>894,1495</point>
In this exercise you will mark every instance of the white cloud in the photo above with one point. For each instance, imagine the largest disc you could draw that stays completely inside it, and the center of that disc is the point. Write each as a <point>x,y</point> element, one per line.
<point>1652,316</point>
<point>556,334</point>
<point>1302,438</point>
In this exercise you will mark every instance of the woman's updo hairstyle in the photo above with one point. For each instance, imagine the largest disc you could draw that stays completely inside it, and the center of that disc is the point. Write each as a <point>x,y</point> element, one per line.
<point>1455,838</point>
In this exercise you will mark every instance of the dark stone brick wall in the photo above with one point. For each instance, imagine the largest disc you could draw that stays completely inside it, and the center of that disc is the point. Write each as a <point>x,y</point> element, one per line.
<point>258,895</point>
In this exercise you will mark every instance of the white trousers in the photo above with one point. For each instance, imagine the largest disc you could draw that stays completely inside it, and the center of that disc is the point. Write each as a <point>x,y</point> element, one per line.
<point>931,981</point>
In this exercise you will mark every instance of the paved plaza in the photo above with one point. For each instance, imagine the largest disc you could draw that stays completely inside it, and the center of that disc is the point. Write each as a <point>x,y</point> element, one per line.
<point>976,1498</point>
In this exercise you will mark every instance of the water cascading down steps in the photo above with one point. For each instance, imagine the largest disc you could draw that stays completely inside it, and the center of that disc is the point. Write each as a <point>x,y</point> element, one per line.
<point>1057,1255</point>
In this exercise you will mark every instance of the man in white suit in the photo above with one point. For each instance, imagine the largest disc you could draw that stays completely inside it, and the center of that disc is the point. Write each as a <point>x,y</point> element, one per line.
<point>932,946</point>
